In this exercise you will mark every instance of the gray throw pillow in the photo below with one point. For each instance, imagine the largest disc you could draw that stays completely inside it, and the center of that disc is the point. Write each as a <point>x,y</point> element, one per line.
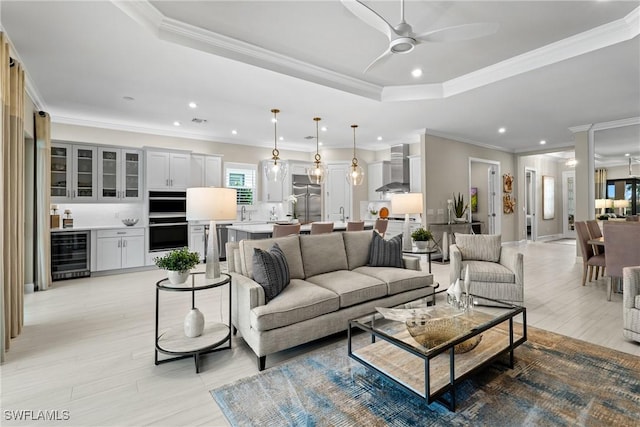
<point>385,253</point>
<point>270,270</point>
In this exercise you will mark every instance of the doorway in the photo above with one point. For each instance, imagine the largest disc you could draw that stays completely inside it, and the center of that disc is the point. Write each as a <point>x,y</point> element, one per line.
<point>530,224</point>
<point>484,178</point>
<point>568,204</point>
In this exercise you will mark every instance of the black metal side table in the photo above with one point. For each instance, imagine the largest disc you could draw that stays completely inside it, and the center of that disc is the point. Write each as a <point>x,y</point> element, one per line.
<point>172,341</point>
<point>426,251</point>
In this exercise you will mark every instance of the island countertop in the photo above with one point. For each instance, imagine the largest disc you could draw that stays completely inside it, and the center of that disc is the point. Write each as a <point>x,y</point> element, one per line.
<point>267,228</point>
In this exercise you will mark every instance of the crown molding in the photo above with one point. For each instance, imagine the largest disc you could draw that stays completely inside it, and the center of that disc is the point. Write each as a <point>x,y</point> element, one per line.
<point>549,148</point>
<point>581,128</point>
<point>466,141</point>
<point>189,35</point>
<point>631,121</point>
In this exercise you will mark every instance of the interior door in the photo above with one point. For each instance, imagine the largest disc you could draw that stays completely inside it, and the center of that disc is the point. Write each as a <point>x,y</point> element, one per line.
<point>568,203</point>
<point>493,200</point>
<point>530,206</point>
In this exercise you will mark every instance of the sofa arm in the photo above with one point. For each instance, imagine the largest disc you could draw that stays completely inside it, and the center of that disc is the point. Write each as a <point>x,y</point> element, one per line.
<point>411,263</point>
<point>514,261</point>
<point>246,295</point>
<point>455,260</point>
<point>630,286</point>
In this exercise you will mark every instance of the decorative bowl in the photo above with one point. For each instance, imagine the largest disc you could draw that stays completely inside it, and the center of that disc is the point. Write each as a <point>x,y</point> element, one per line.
<point>129,222</point>
<point>430,333</point>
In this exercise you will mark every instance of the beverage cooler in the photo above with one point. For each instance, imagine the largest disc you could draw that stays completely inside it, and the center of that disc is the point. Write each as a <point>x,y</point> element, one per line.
<point>70,254</point>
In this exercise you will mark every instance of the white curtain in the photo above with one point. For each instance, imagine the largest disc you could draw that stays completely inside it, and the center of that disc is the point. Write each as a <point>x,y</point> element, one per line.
<point>43,200</point>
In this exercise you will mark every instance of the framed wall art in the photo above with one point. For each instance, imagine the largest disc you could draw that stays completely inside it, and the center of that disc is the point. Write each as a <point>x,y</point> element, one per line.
<point>474,199</point>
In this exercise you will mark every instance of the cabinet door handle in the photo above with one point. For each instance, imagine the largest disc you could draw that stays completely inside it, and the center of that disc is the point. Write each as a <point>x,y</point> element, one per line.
<point>74,194</point>
<point>67,194</point>
<point>166,182</point>
<point>124,243</point>
<point>119,243</point>
<point>171,182</point>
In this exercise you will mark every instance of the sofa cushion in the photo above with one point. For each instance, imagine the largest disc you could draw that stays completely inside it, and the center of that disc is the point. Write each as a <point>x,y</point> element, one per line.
<point>298,302</point>
<point>322,253</point>
<point>482,271</point>
<point>270,270</point>
<point>352,288</point>
<point>385,253</point>
<point>290,245</point>
<point>356,244</point>
<point>479,247</point>
<point>398,279</point>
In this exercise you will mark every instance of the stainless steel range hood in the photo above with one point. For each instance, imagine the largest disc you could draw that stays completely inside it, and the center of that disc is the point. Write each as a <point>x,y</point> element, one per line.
<point>399,170</point>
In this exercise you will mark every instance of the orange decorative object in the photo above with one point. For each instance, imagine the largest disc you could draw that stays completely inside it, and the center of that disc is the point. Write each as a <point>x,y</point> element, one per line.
<point>384,213</point>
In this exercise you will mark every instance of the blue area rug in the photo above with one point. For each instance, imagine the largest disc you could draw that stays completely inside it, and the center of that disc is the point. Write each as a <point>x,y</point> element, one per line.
<point>556,381</point>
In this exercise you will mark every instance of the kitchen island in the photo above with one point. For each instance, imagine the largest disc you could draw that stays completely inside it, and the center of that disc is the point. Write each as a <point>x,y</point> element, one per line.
<point>239,231</point>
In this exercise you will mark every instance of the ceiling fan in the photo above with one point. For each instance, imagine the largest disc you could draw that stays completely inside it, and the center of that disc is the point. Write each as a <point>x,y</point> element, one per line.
<point>403,40</point>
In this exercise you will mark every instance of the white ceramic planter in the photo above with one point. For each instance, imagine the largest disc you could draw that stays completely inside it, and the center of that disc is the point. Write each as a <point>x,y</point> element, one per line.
<point>422,244</point>
<point>177,277</point>
<point>194,323</point>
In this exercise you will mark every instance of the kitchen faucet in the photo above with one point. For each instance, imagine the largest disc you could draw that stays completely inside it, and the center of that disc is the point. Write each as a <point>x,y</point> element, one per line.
<point>243,212</point>
<point>273,216</point>
<point>341,213</point>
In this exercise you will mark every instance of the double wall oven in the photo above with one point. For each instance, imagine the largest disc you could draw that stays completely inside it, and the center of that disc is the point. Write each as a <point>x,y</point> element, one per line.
<point>168,227</point>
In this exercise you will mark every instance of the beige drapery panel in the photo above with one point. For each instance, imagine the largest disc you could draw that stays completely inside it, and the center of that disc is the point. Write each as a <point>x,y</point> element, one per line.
<point>601,183</point>
<point>12,84</point>
<point>43,200</point>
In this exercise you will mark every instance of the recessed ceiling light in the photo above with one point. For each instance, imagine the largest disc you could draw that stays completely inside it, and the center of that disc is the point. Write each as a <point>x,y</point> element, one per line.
<point>176,123</point>
<point>281,138</point>
<point>193,105</point>
<point>379,138</point>
<point>323,128</point>
<point>542,142</point>
<point>502,130</point>
<point>627,154</point>
<point>320,143</point>
<point>274,120</point>
<point>234,132</point>
<point>128,98</point>
<point>416,73</point>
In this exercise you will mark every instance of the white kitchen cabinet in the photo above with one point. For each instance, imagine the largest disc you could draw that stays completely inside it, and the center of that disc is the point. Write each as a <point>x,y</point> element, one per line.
<point>415,174</point>
<point>270,191</point>
<point>73,173</point>
<point>167,170</point>
<point>196,239</point>
<point>119,174</point>
<point>119,248</point>
<point>379,174</point>
<point>205,171</point>
<point>338,192</point>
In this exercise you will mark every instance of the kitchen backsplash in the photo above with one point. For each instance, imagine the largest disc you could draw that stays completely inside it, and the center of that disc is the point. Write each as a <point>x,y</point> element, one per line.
<point>102,214</point>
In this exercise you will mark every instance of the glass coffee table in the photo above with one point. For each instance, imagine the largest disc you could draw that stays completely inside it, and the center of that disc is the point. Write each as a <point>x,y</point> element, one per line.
<point>449,344</point>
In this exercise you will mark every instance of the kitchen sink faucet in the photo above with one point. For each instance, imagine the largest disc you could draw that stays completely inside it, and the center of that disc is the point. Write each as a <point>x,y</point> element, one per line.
<point>243,212</point>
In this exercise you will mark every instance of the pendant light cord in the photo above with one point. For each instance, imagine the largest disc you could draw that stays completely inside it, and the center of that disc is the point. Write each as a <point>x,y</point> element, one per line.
<point>354,161</point>
<point>275,151</point>
<point>317,156</point>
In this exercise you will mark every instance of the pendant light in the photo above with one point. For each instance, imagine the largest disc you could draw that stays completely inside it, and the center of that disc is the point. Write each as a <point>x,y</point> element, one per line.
<point>275,169</point>
<point>355,176</point>
<point>317,172</point>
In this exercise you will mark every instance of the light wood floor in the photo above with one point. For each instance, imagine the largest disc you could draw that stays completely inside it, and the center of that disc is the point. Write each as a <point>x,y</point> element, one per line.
<point>87,345</point>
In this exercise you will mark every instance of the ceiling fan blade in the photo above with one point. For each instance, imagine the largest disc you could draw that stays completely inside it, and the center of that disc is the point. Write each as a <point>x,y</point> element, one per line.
<point>369,17</point>
<point>458,33</point>
<point>379,60</point>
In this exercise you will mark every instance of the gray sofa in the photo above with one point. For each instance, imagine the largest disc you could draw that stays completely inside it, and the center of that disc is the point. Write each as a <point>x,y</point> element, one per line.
<point>631,302</point>
<point>330,284</point>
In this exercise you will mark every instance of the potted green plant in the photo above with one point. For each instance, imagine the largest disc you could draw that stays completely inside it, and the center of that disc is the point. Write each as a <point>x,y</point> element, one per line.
<point>178,263</point>
<point>459,208</point>
<point>421,236</point>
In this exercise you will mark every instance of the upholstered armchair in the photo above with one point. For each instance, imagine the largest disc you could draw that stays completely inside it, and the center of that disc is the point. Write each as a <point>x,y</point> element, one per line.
<point>631,302</point>
<point>495,271</point>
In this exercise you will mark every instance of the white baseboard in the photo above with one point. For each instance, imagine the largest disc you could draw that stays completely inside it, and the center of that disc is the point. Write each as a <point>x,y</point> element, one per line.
<point>29,288</point>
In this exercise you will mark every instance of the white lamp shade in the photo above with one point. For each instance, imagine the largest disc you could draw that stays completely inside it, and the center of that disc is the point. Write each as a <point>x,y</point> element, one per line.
<point>601,203</point>
<point>608,203</point>
<point>211,204</point>
<point>406,203</point>
<point>621,203</point>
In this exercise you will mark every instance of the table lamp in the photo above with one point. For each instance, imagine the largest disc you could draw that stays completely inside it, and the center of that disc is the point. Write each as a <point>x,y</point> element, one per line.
<point>601,204</point>
<point>622,205</point>
<point>407,204</point>
<point>211,204</point>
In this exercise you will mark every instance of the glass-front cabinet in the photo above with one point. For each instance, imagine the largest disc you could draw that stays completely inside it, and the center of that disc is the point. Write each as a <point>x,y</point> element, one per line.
<point>119,174</point>
<point>73,172</point>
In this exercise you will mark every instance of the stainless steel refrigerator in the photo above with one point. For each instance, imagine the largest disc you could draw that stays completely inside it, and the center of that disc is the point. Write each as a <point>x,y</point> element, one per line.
<point>309,207</point>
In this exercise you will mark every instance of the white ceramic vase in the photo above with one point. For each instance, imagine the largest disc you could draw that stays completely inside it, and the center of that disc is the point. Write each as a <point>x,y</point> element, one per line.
<point>467,280</point>
<point>422,244</point>
<point>177,277</point>
<point>194,323</point>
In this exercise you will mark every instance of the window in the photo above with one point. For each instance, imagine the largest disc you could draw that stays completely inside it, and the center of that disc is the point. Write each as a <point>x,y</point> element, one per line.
<point>242,177</point>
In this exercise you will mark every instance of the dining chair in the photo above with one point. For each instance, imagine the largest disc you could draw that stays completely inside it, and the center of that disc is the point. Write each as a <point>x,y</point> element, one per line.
<point>355,225</point>
<point>622,249</point>
<point>589,258</point>
<point>381,226</point>
<point>595,233</point>
<point>280,230</point>
<point>321,227</point>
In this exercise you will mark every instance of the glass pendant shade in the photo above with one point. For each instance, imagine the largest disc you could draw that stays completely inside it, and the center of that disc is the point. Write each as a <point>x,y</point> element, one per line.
<point>318,171</point>
<point>355,175</point>
<point>275,169</point>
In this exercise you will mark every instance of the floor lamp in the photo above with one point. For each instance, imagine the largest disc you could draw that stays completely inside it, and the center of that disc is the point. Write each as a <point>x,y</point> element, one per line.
<point>211,204</point>
<point>407,204</point>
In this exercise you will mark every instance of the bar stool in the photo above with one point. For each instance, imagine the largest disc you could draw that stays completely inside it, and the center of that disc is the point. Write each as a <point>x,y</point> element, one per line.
<point>280,230</point>
<point>321,227</point>
<point>355,225</point>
